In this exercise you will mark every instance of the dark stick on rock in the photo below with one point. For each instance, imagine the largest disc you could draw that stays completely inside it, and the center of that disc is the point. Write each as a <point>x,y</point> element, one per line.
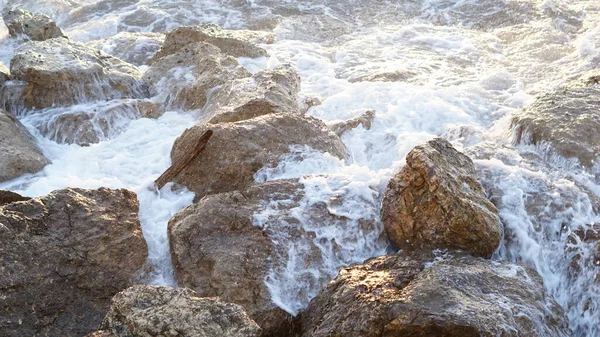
<point>184,161</point>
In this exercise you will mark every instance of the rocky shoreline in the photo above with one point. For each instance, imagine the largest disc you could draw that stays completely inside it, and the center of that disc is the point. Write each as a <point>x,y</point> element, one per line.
<point>74,262</point>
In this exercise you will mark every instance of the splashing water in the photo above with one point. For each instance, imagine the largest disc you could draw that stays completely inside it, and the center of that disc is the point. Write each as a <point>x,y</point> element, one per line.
<point>429,67</point>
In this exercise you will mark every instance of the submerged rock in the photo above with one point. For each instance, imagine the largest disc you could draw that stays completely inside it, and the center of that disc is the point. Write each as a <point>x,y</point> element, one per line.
<point>404,295</point>
<point>270,91</point>
<point>238,246</point>
<point>135,48</point>
<point>238,150</point>
<point>64,256</point>
<point>436,202</point>
<point>365,120</point>
<point>564,121</point>
<point>19,152</point>
<point>36,27</point>
<point>236,43</point>
<point>142,311</point>
<point>186,78</point>
<point>59,72</point>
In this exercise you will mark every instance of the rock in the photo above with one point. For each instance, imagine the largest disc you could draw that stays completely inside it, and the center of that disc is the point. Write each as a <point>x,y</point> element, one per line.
<point>405,295</point>
<point>237,150</point>
<point>237,246</point>
<point>64,256</point>
<point>365,120</point>
<point>186,78</point>
<point>236,43</point>
<point>402,75</point>
<point>60,72</point>
<point>564,121</point>
<point>85,124</point>
<point>36,27</point>
<point>267,92</point>
<point>19,152</point>
<point>12,96</point>
<point>4,74</point>
<point>142,18</point>
<point>142,311</point>
<point>435,201</point>
<point>134,48</point>
<point>86,12</point>
<point>7,197</point>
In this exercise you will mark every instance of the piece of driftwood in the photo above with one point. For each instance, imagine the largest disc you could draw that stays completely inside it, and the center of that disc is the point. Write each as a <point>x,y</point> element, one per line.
<point>184,161</point>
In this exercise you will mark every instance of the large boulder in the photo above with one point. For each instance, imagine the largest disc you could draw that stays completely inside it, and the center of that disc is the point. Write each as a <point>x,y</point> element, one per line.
<point>436,201</point>
<point>270,91</point>
<point>59,72</point>
<point>135,48</point>
<point>564,121</point>
<point>239,246</point>
<point>7,197</point>
<point>63,257</point>
<point>404,295</point>
<point>236,43</point>
<point>186,78</point>
<point>238,150</point>
<point>150,311</point>
<point>36,27</point>
<point>19,152</point>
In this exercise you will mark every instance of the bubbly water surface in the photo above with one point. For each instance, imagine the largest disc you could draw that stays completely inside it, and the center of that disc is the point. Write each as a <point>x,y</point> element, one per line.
<point>460,68</point>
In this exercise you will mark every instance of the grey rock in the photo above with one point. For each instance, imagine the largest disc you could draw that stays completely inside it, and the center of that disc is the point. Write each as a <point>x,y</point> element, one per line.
<point>36,27</point>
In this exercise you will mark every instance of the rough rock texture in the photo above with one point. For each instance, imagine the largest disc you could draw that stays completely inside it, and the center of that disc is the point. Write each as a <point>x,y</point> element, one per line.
<point>220,248</point>
<point>135,48</point>
<point>365,120</point>
<point>236,43</point>
<point>63,257</point>
<point>37,27</point>
<point>565,121</point>
<point>4,74</point>
<point>237,150</point>
<point>404,295</point>
<point>150,311</point>
<point>269,91</point>
<point>82,125</point>
<point>186,78</point>
<point>60,72</point>
<point>7,197</point>
<point>435,201</point>
<point>19,152</point>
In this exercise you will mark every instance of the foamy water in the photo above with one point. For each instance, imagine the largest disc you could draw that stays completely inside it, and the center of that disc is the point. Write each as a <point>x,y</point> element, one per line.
<point>460,69</point>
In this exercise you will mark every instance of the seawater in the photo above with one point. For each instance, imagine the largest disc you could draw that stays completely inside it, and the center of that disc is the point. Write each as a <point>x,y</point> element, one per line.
<point>461,68</point>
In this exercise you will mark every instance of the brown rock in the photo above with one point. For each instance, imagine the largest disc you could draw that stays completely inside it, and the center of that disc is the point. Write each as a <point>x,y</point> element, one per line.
<point>7,197</point>
<point>365,120</point>
<point>19,152</point>
<point>236,246</point>
<point>62,73</point>
<point>236,43</point>
<point>435,201</point>
<point>269,91</point>
<point>186,78</point>
<point>405,295</point>
<point>564,121</point>
<point>36,27</point>
<point>142,311</point>
<point>134,48</point>
<point>63,257</point>
<point>237,150</point>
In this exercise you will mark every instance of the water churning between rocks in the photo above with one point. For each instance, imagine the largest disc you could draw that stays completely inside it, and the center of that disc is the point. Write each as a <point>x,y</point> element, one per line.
<point>456,69</point>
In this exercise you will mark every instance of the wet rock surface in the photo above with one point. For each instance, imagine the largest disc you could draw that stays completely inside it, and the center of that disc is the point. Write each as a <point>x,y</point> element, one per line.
<point>236,43</point>
<point>564,121</point>
<point>436,201</point>
<point>36,27</point>
<point>238,150</point>
<point>186,78</point>
<point>64,256</point>
<point>19,152</point>
<point>410,295</point>
<point>270,91</point>
<point>142,311</point>
<point>134,48</point>
<point>4,74</point>
<point>365,120</point>
<point>62,73</point>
